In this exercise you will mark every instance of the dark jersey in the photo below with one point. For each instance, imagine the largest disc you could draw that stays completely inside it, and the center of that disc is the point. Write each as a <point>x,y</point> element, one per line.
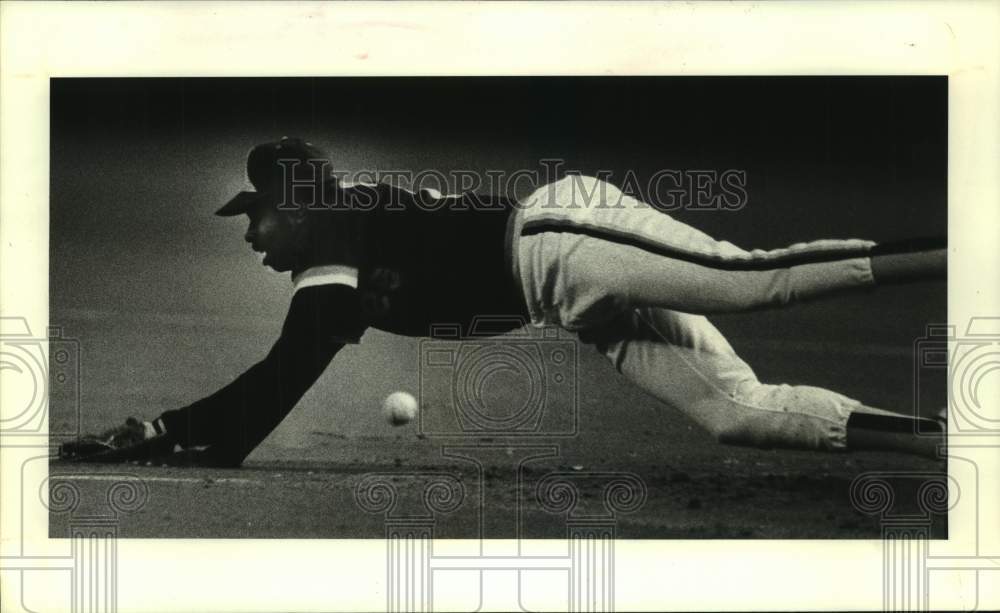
<point>421,259</point>
<point>393,260</point>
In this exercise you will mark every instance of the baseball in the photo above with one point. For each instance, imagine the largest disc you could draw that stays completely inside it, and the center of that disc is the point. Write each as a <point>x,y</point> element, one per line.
<point>399,408</point>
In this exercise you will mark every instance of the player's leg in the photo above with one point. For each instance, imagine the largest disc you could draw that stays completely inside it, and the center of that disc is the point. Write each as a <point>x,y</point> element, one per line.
<point>911,260</point>
<point>684,361</point>
<point>609,248</point>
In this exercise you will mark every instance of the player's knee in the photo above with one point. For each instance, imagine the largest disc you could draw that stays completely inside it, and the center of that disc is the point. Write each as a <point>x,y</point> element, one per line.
<point>772,429</point>
<point>749,427</point>
<point>739,432</point>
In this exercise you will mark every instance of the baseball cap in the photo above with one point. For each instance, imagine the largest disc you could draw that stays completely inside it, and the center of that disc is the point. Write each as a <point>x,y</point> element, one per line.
<point>267,173</point>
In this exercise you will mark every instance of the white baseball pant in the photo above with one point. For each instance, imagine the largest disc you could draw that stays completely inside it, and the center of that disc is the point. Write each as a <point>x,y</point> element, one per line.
<point>636,284</point>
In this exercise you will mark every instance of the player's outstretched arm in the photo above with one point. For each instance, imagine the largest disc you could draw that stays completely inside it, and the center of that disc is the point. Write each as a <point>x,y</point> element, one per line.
<point>234,420</point>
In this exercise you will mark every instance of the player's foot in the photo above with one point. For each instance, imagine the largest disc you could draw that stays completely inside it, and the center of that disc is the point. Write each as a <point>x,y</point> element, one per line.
<point>136,440</point>
<point>942,419</point>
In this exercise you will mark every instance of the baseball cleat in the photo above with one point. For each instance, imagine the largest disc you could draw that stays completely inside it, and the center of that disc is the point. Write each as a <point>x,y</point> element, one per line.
<point>942,419</point>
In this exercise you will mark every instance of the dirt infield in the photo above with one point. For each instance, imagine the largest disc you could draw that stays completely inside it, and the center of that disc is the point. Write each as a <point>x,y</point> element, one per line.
<point>743,493</point>
<point>309,479</point>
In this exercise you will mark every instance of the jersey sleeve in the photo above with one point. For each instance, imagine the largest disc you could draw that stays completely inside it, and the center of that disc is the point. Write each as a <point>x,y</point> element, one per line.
<point>327,304</point>
<point>236,418</point>
<point>325,287</point>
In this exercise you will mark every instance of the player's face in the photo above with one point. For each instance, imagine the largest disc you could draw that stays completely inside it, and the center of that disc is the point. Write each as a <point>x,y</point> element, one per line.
<point>273,234</point>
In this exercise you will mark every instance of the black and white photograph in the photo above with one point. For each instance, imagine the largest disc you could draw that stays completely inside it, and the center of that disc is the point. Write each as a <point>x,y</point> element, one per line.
<point>561,306</point>
<point>515,300</point>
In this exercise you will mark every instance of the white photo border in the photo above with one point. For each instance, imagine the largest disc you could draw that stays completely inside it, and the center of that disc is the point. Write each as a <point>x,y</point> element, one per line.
<point>954,38</point>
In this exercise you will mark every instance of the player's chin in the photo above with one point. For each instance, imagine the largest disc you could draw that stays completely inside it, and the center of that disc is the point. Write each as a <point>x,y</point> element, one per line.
<point>277,264</point>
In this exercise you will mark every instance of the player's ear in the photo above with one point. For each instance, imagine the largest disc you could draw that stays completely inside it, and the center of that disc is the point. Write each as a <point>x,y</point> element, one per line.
<point>297,216</point>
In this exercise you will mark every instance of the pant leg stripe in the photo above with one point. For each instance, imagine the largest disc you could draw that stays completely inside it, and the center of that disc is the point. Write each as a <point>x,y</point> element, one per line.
<point>721,262</point>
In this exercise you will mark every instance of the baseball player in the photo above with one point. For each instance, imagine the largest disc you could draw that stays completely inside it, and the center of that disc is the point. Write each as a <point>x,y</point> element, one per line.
<point>577,253</point>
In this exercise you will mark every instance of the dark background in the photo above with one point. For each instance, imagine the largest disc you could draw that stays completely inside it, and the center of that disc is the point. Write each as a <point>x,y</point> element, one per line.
<point>138,165</point>
<point>169,303</point>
